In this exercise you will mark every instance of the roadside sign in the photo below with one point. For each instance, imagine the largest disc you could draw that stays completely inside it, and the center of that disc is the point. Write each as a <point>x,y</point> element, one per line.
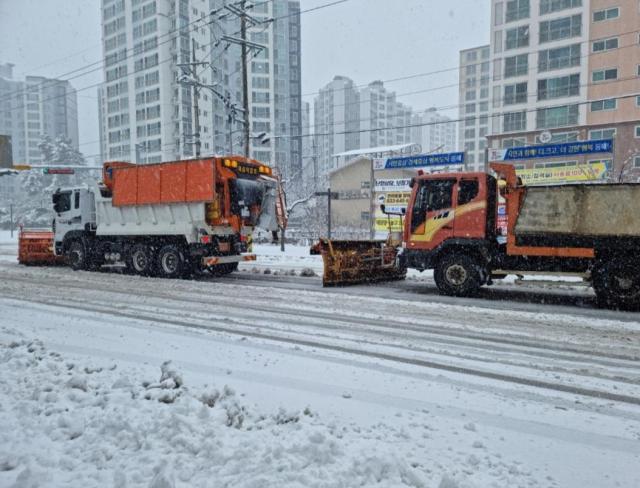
<point>58,171</point>
<point>425,160</point>
<point>552,150</point>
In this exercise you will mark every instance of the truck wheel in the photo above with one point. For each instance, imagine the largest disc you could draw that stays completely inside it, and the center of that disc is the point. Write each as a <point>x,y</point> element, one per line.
<point>171,262</point>
<point>140,260</point>
<point>617,284</point>
<point>458,275</point>
<point>77,256</point>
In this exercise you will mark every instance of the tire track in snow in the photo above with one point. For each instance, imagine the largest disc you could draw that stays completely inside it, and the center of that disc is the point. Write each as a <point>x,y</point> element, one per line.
<point>282,338</point>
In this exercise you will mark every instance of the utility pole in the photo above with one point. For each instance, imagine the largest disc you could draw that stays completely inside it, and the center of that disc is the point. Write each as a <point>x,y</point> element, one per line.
<point>196,94</point>
<point>245,76</point>
<point>239,9</point>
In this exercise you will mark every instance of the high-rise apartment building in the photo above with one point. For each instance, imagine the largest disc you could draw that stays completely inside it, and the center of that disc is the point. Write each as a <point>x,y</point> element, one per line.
<point>567,70</point>
<point>148,112</point>
<point>337,122</point>
<point>433,131</point>
<point>473,108</point>
<point>35,107</point>
<point>383,120</point>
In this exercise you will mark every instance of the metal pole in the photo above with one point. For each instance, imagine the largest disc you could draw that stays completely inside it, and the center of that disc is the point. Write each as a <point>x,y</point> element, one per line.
<point>11,224</point>
<point>196,115</point>
<point>245,81</point>
<point>329,213</point>
<point>372,205</point>
<point>230,134</point>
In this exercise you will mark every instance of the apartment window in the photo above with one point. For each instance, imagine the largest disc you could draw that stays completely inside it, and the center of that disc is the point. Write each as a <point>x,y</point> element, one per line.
<point>517,37</point>
<point>470,108</point>
<point>549,6</point>
<point>604,105</point>
<point>548,118</point>
<point>637,132</point>
<point>517,9</point>
<point>483,107</point>
<point>153,95</point>
<point>470,70</point>
<point>564,28</point>
<point>564,86</point>
<point>152,78</point>
<point>516,65</point>
<point>562,57</point>
<point>471,56</point>
<point>149,27</point>
<point>484,92</point>
<point>515,93</point>
<point>514,121</point>
<point>149,9</point>
<point>470,96</point>
<point>638,101</point>
<point>153,112</point>
<point>498,13</point>
<point>497,41</point>
<point>604,75</point>
<point>602,134</point>
<point>605,45</point>
<point>636,162</point>
<point>483,131</point>
<point>470,146</point>
<point>606,14</point>
<point>259,82</point>
<point>470,134</point>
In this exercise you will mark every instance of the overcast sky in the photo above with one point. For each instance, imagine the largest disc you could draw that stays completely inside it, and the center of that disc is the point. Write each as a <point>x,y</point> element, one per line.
<point>364,39</point>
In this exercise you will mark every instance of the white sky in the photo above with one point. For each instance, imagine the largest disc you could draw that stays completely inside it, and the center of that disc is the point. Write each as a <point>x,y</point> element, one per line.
<point>363,39</point>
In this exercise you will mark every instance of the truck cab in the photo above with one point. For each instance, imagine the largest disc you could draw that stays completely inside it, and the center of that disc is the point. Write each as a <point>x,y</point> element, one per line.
<point>449,212</point>
<point>75,213</point>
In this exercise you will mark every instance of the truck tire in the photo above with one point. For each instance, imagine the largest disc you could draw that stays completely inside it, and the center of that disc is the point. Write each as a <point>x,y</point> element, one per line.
<point>140,260</point>
<point>458,275</point>
<point>617,283</point>
<point>77,256</point>
<point>170,262</point>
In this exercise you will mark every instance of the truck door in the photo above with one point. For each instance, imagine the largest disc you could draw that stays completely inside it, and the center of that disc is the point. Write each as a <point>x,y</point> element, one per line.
<point>432,213</point>
<point>470,221</point>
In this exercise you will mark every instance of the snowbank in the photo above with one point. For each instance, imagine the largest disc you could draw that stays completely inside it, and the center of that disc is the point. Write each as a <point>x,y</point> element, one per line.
<point>76,425</point>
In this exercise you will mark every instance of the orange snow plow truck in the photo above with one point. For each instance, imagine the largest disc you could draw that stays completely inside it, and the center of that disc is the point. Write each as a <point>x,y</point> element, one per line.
<point>455,225</point>
<point>166,219</point>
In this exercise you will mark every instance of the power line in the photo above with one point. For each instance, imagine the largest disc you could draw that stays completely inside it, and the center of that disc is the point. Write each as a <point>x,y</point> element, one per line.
<point>425,124</point>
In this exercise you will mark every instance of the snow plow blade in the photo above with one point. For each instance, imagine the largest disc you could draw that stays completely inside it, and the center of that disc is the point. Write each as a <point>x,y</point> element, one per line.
<point>35,246</point>
<point>348,262</point>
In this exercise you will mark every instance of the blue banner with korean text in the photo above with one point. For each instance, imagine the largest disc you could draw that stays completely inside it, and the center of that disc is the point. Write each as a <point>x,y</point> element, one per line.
<point>557,150</point>
<point>425,160</point>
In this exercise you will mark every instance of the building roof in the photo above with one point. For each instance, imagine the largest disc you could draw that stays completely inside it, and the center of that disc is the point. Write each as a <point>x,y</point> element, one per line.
<point>374,150</point>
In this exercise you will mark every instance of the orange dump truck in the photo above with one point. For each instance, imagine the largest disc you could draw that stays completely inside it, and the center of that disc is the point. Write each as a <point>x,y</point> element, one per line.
<point>456,224</point>
<point>167,219</point>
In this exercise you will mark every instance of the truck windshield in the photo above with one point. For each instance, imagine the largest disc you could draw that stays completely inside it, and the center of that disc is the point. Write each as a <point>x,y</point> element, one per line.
<point>246,198</point>
<point>61,201</point>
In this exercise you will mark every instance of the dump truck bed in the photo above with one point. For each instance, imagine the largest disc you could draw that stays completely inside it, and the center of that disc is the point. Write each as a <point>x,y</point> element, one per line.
<point>581,210</point>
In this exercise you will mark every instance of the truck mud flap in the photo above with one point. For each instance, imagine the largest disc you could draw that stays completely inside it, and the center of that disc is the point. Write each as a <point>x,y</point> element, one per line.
<point>348,262</point>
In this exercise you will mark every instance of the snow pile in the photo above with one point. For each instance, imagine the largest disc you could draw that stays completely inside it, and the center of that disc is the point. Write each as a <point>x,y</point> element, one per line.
<point>66,424</point>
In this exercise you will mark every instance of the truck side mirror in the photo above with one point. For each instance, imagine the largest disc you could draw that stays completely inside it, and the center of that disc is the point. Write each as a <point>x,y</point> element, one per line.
<point>403,210</point>
<point>383,208</point>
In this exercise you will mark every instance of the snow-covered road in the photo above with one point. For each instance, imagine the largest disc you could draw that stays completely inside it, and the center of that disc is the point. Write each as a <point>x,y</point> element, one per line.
<point>399,388</point>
